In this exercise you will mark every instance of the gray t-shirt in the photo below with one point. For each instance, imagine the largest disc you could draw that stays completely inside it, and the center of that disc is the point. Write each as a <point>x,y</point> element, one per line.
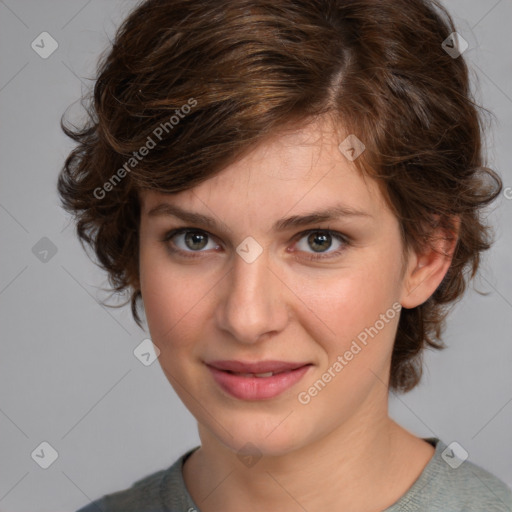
<point>445,485</point>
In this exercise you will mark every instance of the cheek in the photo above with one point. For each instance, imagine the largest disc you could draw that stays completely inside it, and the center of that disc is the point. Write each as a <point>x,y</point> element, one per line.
<point>170,301</point>
<point>352,301</point>
<point>347,322</point>
<point>356,342</point>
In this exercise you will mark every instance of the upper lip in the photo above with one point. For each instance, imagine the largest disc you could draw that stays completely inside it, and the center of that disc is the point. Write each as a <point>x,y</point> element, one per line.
<point>257,367</point>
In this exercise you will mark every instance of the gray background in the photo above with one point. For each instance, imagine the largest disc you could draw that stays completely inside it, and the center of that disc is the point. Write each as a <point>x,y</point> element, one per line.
<point>68,375</point>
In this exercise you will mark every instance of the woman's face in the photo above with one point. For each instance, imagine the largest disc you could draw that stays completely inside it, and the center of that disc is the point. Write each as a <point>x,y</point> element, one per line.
<point>244,287</point>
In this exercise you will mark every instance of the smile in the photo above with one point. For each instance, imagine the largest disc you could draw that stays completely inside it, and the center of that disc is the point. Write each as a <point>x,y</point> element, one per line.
<point>245,385</point>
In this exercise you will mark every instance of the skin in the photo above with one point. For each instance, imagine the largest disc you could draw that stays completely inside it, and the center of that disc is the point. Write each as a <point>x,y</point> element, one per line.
<point>283,306</point>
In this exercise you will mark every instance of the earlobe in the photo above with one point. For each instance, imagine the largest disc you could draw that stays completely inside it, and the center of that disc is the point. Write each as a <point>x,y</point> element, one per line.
<point>428,267</point>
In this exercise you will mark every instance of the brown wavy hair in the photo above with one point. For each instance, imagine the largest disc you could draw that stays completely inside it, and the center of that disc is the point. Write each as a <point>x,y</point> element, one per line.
<point>251,67</point>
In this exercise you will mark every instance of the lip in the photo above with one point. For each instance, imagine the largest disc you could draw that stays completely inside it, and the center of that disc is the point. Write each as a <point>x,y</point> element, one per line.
<point>257,367</point>
<point>256,388</point>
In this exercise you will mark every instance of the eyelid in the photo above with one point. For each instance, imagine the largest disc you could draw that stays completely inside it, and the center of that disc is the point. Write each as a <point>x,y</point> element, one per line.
<point>345,240</point>
<point>340,237</point>
<point>168,235</point>
<point>177,231</point>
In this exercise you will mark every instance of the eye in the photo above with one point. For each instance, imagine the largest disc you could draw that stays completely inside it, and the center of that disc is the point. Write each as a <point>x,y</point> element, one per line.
<point>187,241</point>
<point>320,241</point>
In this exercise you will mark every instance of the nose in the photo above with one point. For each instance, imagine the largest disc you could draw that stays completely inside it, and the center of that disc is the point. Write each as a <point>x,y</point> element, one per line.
<point>253,302</point>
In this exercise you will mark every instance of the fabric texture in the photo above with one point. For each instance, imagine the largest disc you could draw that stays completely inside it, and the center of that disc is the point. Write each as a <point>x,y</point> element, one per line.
<point>445,485</point>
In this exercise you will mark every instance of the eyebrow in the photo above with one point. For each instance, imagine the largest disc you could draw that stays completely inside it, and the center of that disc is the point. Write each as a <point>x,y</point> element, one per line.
<point>333,213</point>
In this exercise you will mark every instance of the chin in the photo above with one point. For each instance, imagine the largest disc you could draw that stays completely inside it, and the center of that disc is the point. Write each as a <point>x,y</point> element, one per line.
<point>271,439</point>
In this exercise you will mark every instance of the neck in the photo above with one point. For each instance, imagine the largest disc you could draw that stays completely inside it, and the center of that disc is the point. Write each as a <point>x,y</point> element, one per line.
<point>369,451</point>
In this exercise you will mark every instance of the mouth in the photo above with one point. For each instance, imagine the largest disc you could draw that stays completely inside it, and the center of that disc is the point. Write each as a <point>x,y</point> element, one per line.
<point>256,368</point>
<point>256,381</point>
<point>259,375</point>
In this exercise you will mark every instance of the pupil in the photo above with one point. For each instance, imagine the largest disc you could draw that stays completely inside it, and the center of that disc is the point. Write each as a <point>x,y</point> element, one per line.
<point>195,238</point>
<point>323,237</point>
<point>315,239</point>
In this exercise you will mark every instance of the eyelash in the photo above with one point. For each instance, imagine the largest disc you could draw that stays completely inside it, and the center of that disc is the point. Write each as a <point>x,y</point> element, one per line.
<point>314,257</point>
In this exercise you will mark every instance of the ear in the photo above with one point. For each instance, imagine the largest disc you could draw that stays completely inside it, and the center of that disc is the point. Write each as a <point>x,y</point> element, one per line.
<point>427,267</point>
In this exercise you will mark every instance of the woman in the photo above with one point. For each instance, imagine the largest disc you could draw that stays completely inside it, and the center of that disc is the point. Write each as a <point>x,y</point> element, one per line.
<point>294,189</point>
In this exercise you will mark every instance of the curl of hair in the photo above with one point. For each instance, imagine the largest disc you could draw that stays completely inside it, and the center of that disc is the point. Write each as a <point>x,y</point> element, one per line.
<point>255,66</point>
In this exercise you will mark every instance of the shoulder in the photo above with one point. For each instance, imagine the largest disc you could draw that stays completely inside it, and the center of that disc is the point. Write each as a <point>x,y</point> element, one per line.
<point>473,488</point>
<point>148,494</point>
<point>451,483</point>
<point>142,496</point>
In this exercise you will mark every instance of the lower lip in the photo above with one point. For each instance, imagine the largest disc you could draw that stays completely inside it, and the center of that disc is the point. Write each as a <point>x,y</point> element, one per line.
<point>257,388</point>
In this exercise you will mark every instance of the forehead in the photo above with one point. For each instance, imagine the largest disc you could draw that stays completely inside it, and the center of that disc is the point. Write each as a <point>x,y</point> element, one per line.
<point>294,169</point>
